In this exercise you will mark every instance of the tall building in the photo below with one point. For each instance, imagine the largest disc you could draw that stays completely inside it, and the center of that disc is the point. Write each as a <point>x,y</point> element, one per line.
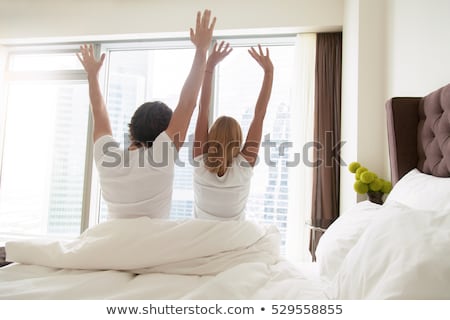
<point>268,203</point>
<point>276,198</point>
<point>67,170</point>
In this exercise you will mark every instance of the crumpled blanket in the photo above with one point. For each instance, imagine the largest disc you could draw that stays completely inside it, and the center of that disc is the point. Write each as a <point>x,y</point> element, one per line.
<point>144,245</point>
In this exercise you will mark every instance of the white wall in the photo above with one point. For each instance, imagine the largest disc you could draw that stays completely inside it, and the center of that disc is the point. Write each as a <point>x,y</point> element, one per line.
<point>349,105</point>
<point>390,48</point>
<point>63,18</point>
<point>363,87</point>
<point>372,132</point>
<point>418,50</point>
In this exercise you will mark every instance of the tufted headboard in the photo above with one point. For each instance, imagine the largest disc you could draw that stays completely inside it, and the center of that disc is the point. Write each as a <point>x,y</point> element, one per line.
<point>419,134</point>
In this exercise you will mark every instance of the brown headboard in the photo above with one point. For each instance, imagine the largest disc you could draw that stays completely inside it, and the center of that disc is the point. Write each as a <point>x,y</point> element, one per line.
<point>419,134</point>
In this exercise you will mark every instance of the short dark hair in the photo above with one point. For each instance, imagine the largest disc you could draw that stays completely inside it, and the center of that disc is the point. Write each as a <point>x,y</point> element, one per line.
<point>148,121</point>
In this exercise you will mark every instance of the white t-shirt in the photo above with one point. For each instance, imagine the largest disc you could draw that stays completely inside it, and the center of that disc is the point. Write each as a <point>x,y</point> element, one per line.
<point>136,182</point>
<point>222,198</point>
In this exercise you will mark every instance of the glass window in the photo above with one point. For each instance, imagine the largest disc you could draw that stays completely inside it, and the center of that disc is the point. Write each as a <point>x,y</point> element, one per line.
<point>43,158</point>
<point>44,62</point>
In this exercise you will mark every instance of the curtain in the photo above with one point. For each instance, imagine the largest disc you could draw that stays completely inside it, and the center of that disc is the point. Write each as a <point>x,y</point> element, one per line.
<point>302,121</point>
<point>327,128</point>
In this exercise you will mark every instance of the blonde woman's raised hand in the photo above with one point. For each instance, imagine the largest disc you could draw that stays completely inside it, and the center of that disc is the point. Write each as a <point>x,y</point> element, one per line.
<point>262,59</point>
<point>218,53</point>
<point>88,60</point>
<point>204,28</point>
<point>252,144</point>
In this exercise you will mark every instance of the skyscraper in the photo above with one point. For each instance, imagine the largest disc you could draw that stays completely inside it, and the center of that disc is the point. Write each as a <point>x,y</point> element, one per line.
<point>67,169</point>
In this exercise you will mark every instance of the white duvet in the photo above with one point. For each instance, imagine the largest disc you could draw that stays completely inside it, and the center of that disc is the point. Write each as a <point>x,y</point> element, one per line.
<point>387,252</point>
<point>158,259</point>
<point>142,245</point>
<point>372,252</point>
<point>403,253</point>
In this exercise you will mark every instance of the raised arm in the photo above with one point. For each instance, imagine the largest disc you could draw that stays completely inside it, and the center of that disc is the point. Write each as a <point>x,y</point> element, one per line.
<point>92,66</point>
<point>201,130</point>
<point>181,117</point>
<point>253,141</point>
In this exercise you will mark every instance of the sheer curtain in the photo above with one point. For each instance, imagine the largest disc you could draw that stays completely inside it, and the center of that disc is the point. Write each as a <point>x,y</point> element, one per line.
<point>302,122</point>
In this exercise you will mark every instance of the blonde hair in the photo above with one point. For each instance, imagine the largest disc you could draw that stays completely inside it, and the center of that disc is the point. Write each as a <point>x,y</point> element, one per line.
<point>224,144</point>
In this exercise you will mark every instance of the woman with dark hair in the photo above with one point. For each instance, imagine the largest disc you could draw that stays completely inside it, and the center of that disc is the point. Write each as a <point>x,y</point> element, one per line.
<point>139,181</point>
<point>222,177</point>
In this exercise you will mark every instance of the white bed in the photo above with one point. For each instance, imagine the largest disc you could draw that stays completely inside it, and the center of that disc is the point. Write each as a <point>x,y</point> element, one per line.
<point>156,259</point>
<point>400,250</point>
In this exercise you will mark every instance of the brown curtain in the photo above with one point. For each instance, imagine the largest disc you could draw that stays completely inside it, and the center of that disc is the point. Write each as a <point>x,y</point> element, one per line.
<point>327,133</point>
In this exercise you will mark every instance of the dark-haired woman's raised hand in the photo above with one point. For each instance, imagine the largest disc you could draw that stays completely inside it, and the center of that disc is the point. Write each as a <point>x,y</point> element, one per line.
<point>92,66</point>
<point>88,60</point>
<point>204,28</point>
<point>201,38</point>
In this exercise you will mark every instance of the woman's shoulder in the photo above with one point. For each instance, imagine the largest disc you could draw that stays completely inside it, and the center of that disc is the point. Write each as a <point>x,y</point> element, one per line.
<point>242,162</point>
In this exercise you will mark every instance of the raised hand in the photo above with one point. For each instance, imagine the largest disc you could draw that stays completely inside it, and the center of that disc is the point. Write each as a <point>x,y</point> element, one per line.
<point>218,54</point>
<point>202,36</point>
<point>182,114</point>
<point>263,60</point>
<point>92,66</point>
<point>251,145</point>
<point>87,59</point>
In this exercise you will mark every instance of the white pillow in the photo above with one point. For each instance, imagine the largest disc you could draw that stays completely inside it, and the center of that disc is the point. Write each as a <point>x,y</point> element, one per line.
<point>341,236</point>
<point>421,191</point>
<point>403,254</point>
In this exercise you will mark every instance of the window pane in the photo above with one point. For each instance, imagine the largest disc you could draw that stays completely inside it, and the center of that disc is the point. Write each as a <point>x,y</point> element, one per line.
<point>43,160</point>
<point>147,75</point>
<point>44,62</point>
<point>237,87</point>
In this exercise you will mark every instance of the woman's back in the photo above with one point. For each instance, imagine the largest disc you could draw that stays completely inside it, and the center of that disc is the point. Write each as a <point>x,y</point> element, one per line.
<point>222,197</point>
<point>222,181</point>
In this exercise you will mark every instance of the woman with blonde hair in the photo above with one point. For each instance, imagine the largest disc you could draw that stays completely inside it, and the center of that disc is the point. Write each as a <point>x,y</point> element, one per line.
<point>225,165</point>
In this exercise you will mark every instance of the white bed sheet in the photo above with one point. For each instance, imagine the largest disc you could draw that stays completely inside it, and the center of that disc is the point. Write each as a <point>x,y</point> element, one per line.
<point>282,280</point>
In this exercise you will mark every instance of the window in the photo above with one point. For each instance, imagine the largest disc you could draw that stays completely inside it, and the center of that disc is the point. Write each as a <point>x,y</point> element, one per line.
<point>27,62</point>
<point>46,120</point>
<point>48,116</point>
